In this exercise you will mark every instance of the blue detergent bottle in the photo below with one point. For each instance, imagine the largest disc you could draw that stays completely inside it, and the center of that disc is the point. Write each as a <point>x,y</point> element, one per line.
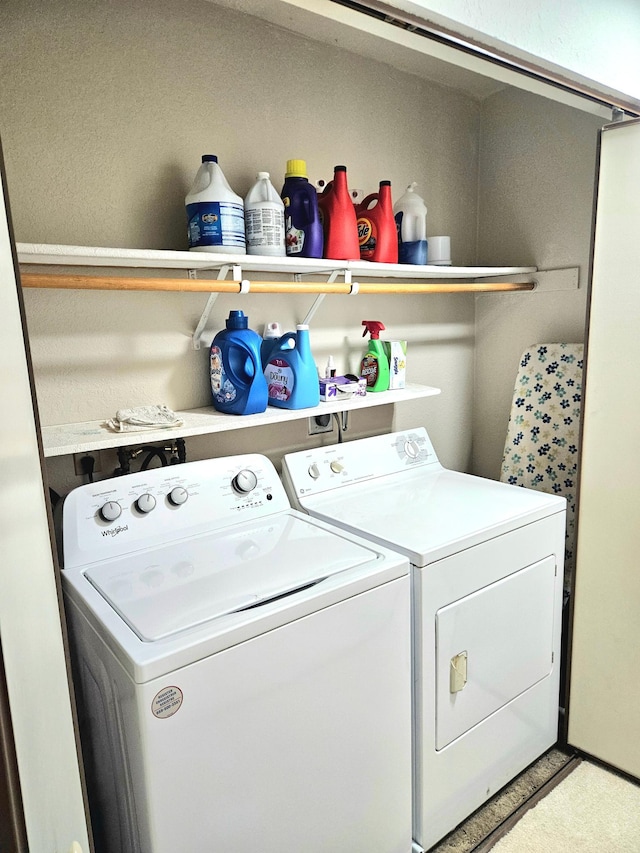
<point>291,373</point>
<point>238,384</point>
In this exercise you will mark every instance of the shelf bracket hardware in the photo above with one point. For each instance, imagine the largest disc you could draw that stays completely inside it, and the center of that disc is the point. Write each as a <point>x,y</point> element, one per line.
<point>317,302</point>
<point>223,272</point>
<point>354,286</point>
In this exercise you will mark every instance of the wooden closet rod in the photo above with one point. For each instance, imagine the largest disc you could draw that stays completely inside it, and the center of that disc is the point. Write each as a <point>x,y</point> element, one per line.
<point>100,282</point>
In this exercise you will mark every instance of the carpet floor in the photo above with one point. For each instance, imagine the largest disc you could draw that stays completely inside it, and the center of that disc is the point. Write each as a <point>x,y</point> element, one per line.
<point>592,810</point>
<point>482,824</point>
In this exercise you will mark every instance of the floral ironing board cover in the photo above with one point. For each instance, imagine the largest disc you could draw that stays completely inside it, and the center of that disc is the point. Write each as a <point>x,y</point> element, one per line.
<point>541,448</point>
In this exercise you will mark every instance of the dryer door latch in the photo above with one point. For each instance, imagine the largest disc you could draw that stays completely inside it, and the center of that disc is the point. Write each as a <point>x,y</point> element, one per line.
<point>457,672</point>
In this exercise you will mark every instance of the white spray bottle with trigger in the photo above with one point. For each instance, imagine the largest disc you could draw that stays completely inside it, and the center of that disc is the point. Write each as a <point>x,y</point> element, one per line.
<point>264,219</point>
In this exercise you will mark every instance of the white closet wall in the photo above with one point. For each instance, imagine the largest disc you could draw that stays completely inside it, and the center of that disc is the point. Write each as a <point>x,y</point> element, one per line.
<point>537,167</point>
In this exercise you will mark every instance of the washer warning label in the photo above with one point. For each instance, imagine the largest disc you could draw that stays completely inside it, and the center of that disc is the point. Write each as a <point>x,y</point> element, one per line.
<point>167,702</point>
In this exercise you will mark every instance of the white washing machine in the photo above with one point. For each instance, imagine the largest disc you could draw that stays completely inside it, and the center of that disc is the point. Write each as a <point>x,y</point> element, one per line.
<point>487,563</point>
<point>244,671</point>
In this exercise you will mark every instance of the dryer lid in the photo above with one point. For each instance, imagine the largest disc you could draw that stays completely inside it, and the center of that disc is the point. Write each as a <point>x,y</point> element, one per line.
<point>163,591</point>
<point>430,515</point>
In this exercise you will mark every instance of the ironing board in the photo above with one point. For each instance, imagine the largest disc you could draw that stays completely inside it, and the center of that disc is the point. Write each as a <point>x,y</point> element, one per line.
<point>541,448</point>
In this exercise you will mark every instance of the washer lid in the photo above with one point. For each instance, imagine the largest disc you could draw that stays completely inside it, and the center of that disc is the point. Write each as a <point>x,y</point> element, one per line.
<point>163,591</point>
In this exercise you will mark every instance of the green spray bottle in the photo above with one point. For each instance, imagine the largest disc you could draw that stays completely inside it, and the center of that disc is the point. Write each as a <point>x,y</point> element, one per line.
<point>375,366</point>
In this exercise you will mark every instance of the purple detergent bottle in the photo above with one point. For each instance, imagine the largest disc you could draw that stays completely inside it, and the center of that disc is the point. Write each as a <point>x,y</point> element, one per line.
<point>303,228</point>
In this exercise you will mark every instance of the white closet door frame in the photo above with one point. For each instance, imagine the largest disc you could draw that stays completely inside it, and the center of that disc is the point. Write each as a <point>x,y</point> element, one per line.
<point>604,704</point>
<point>30,627</point>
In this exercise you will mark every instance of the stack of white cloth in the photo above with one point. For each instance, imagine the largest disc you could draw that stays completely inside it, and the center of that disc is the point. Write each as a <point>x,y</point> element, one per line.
<point>144,418</point>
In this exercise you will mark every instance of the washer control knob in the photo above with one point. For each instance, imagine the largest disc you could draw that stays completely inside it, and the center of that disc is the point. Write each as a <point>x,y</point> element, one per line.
<point>244,482</point>
<point>110,511</point>
<point>178,496</point>
<point>336,466</point>
<point>411,449</point>
<point>314,471</point>
<point>145,503</point>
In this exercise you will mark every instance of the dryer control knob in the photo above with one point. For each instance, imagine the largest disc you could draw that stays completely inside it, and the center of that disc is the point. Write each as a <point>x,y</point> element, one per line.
<point>244,482</point>
<point>411,449</point>
<point>178,496</point>
<point>336,466</point>
<point>110,511</point>
<point>314,471</point>
<point>145,503</point>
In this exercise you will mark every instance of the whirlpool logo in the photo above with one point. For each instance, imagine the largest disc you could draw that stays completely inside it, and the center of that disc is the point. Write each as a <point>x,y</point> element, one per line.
<point>115,530</point>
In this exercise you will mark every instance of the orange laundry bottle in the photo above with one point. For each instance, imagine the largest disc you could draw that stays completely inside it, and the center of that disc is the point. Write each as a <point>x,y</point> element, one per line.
<point>339,219</point>
<point>377,231</point>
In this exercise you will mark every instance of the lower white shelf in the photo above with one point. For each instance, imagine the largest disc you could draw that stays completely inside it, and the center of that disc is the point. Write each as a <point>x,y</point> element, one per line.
<point>64,439</point>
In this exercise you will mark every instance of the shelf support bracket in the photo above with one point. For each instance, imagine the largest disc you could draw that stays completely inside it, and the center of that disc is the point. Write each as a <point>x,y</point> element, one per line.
<point>223,272</point>
<point>317,302</point>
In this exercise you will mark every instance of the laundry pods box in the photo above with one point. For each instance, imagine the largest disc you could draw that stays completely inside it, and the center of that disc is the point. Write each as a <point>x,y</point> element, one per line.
<point>342,386</point>
<point>396,352</point>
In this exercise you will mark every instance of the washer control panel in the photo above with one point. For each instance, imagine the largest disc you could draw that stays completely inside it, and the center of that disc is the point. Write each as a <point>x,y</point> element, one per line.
<point>124,514</point>
<point>311,472</point>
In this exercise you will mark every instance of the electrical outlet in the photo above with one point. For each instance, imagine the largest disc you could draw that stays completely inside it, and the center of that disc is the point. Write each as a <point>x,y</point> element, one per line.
<point>319,424</point>
<point>77,464</point>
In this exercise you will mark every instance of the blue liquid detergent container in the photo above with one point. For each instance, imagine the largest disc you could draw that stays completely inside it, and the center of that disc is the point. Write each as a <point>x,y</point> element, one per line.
<point>291,373</point>
<point>238,385</point>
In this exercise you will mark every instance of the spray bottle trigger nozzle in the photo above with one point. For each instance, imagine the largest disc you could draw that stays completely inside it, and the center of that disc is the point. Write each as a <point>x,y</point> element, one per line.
<point>374,327</point>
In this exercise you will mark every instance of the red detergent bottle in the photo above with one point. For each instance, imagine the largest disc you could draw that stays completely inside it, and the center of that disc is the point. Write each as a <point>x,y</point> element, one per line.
<point>377,231</point>
<point>339,219</point>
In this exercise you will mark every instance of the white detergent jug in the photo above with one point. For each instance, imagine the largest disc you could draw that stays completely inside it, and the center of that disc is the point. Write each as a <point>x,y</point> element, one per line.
<point>214,212</point>
<point>264,218</point>
<point>410,213</point>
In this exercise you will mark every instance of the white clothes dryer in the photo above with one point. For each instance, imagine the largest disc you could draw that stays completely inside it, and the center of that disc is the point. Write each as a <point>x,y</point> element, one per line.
<point>487,563</point>
<point>243,670</point>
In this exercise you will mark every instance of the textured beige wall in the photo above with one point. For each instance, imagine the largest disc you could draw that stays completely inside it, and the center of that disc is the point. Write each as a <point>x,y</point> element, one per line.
<point>105,109</point>
<point>537,169</point>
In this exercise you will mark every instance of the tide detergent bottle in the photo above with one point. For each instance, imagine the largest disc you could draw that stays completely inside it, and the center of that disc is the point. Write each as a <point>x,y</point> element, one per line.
<point>377,233</point>
<point>375,366</point>
<point>291,374</point>
<point>238,385</point>
<point>303,228</point>
<point>339,219</point>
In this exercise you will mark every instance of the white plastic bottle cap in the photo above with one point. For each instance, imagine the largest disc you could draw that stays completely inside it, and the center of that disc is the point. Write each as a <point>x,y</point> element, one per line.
<point>272,330</point>
<point>262,176</point>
